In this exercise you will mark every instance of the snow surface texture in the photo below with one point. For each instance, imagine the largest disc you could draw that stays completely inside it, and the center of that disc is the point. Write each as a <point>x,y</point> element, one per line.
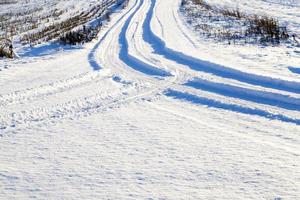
<point>287,11</point>
<point>149,111</point>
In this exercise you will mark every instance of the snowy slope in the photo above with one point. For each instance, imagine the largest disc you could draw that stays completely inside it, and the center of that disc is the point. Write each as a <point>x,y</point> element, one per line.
<point>285,11</point>
<point>149,111</point>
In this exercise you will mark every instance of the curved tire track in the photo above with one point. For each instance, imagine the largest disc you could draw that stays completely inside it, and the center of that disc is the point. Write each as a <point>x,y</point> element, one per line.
<point>160,48</point>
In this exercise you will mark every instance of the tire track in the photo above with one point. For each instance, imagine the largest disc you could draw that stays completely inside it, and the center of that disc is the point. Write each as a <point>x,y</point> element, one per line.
<point>160,48</point>
<point>251,95</point>
<point>198,100</point>
<point>132,61</point>
<point>43,91</point>
<point>83,79</point>
<point>87,105</point>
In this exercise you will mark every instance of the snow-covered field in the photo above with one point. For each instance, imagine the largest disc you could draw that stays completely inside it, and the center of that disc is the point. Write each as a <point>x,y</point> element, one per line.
<point>150,110</point>
<point>23,13</point>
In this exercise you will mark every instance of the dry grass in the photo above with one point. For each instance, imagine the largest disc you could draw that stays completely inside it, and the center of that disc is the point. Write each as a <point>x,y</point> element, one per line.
<point>87,34</point>
<point>27,25</point>
<point>6,49</point>
<point>267,28</point>
<point>3,2</point>
<point>58,29</point>
<point>34,28</point>
<point>203,4</point>
<point>249,28</point>
<point>232,13</point>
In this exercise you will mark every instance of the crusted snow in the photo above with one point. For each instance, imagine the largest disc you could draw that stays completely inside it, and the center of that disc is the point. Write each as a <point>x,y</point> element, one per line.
<point>150,110</point>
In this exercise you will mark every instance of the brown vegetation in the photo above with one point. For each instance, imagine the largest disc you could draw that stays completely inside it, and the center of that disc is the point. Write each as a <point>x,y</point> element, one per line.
<point>263,29</point>
<point>6,48</point>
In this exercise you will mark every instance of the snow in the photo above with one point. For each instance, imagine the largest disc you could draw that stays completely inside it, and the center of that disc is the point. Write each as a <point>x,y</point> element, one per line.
<point>140,157</point>
<point>150,110</point>
<point>285,11</point>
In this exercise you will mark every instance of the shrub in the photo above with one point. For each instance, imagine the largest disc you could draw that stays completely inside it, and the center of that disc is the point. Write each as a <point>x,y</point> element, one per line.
<point>267,28</point>
<point>6,48</point>
<point>80,36</point>
<point>233,25</point>
<point>232,13</point>
<point>203,4</point>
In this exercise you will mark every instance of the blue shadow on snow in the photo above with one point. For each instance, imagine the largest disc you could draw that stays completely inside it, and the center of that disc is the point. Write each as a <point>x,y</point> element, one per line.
<point>160,48</point>
<point>132,61</point>
<point>261,97</point>
<point>295,70</point>
<point>46,49</point>
<point>230,107</point>
<point>91,56</point>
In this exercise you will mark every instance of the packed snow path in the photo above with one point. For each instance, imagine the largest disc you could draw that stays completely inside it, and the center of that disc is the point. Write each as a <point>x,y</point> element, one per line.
<point>139,114</point>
